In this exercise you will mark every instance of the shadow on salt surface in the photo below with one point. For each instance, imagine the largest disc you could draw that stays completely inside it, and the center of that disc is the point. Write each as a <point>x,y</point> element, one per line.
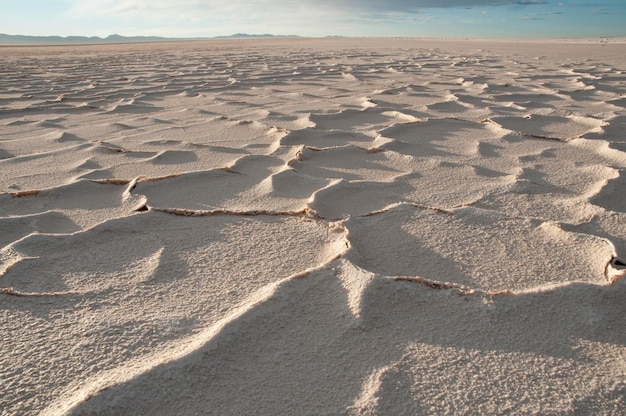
<point>196,129</point>
<point>251,183</point>
<point>293,185</point>
<point>57,167</point>
<point>353,163</point>
<point>14,228</point>
<point>441,129</point>
<point>473,101</point>
<point>302,351</point>
<point>550,126</point>
<point>314,137</point>
<point>611,197</point>
<point>448,185</point>
<point>620,102</point>
<point>5,155</point>
<point>471,247</point>
<point>526,200</point>
<point>589,95</point>
<point>158,267</point>
<point>405,98</point>
<point>556,182</point>
<point>613,132</point>
<point>84,203</point>
<point>194,239</point>
<point>354,120</point>
<point>440,137</point>
<point>174,157</point>
<point>433,183</point>
<point>609,225</point>
<point>21,144</point>
<point>342,198</point>
<point>193,190</point>
<point>531,101</point>
<point>450,106</point>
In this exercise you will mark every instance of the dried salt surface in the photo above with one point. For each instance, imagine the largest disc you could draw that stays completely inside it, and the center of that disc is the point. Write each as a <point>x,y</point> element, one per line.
<point>312,226</point>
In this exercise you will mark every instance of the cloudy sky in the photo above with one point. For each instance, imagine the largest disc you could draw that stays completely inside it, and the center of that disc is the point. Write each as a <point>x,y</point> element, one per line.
<point>198,18</point>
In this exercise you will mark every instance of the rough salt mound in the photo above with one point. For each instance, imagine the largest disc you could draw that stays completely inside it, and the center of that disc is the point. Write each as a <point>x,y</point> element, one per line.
<point>137,298</point>
<point>476,249</point>
<point>550,126</point>
<point>389,227</point>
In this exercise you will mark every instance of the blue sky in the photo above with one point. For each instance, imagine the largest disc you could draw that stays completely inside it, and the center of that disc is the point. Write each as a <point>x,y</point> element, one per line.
<point>195,18</point>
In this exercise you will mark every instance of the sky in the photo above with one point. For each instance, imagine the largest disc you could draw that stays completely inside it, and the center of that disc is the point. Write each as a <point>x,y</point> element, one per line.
<point>316,18</point>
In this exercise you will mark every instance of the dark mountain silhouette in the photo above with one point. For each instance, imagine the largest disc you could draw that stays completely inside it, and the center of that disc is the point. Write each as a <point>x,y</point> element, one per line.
<point>64,40</point>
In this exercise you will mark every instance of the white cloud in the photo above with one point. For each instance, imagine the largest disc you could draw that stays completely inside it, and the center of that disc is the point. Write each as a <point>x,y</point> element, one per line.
<point>541,16</point>
<point>303,17</point>
<point>413,5</point>
<point>155,8</point>
<point>214,11</point>
<point>134,8</point>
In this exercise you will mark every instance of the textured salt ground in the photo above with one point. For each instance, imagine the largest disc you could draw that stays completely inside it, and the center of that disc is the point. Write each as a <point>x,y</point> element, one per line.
<point>313,227</point>
<point>470,246</point>
<point>152,151</point>
<point>171,268</point>
<point>407,347</point>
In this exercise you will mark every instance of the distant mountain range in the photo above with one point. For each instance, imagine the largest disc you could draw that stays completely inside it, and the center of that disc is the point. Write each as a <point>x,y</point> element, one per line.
<point>65,40</point>
<point>245,35</point>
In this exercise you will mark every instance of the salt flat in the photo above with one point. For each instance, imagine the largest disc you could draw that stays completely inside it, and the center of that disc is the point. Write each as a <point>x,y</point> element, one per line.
<point>313,226</point>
